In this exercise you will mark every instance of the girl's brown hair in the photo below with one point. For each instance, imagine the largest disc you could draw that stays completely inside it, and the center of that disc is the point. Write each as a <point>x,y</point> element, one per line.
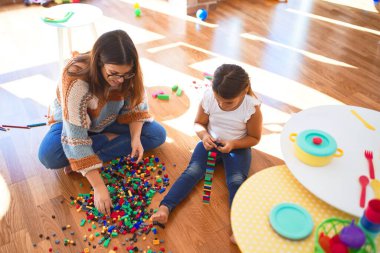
<point>114,47</point>
<point>230,80</point>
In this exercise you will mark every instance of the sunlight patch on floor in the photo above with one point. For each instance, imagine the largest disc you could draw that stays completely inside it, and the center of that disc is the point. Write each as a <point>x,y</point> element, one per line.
<point>270,144</point>
<point>333,21</point>
<point>169,140</point>
<point>310,55</point>
<point>179,44</point>
<point>273,121</point>
<point>160,75</point>
<point>366,5</point>
<point>37,88</point>
<point>20,47</point>
<point>5,197</point>
<point>138,35</point>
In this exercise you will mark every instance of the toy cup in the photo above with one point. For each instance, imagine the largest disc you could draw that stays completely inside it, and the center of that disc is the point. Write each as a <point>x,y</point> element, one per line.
<point>369,225</point>
<point>370,221</point>
<point>372,211</point>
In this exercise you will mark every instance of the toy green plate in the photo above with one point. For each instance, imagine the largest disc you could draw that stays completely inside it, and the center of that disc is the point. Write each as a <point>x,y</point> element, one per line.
<point>291,221</point>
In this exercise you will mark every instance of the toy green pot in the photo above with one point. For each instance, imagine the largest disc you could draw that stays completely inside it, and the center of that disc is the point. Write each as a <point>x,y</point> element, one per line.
<point>315,147</point>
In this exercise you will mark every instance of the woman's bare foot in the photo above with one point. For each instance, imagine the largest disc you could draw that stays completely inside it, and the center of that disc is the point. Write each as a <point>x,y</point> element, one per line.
<point>232,239</point>
<point>67,170</point>
<point>161,215</point>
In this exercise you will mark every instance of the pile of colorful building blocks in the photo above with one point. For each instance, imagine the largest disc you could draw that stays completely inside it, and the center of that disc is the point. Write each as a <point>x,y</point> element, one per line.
<point>131,187</point>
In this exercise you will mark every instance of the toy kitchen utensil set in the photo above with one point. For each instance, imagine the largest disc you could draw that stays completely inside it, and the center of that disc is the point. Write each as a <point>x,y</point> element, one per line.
<point>317,148</point>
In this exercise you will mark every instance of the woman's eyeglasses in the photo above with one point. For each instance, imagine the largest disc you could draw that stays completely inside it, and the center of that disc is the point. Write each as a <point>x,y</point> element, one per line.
<point>114,77</point>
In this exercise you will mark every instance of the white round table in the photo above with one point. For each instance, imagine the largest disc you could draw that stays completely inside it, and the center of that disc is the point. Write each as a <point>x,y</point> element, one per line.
<point>338,182</point>
<point>84,14</point>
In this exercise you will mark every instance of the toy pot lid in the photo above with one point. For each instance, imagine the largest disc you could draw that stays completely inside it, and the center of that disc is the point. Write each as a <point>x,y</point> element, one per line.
<point>316,142</point>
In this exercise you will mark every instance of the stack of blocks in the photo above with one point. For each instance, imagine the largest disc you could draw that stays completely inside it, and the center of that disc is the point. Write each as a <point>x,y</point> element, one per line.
<point>211,160</point>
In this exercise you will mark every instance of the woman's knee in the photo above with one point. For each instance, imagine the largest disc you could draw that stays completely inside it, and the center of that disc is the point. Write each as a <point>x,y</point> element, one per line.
<point>159,134</point>
<point>45,156</point>
<point>52,156</point>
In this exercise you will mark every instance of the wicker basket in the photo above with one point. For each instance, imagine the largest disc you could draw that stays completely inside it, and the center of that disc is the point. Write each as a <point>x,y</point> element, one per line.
<point>333,226</point>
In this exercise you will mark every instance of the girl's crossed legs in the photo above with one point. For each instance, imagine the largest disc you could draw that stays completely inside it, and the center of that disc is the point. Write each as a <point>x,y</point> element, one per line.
<point>236,166</point>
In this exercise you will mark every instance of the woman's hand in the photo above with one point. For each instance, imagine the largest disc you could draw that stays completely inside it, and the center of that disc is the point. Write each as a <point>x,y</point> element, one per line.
<point>225,146</point>
<point>137,149</point>
<point>208,142</point>
<point>102,200</point>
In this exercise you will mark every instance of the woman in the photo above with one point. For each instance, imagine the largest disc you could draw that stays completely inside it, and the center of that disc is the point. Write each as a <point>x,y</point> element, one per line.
<point>100,113</point>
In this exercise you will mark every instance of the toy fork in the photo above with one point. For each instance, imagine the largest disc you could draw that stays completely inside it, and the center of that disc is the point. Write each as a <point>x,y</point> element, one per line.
<point>369,155</point>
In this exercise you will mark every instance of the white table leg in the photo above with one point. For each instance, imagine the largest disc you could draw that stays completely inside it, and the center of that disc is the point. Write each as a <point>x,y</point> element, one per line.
<point>94,30</point>
<point>70,42</point>
<point>60,47</point>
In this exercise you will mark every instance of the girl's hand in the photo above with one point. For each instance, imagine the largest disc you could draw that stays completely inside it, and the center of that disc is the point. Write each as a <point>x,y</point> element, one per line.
<point>137,149</point>
<point>208,142</point>
<point>102,199</point>
<point>225,147</point>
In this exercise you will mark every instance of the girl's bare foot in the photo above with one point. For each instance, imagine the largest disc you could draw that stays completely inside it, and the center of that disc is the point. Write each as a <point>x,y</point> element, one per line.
<point>232,239</point>
<point>161,215</point>
<point>67,170</point>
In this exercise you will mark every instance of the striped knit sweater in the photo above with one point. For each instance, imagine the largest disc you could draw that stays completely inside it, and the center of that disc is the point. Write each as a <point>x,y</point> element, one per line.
<point>82,112</point>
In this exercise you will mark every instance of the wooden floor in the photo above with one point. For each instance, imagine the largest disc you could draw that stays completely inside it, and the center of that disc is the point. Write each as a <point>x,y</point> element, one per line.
<point>299,54</point>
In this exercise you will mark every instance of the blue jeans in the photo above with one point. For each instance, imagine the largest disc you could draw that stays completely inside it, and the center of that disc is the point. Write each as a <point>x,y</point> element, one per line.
<point>236,167</point>
<point>52,156</point>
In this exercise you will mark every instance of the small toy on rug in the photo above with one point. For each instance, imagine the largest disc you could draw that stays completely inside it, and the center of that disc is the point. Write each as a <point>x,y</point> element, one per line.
<point>137,9</point>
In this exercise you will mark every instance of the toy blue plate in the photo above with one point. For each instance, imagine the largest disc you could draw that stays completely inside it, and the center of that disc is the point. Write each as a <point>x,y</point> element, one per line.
<point>291,221</point>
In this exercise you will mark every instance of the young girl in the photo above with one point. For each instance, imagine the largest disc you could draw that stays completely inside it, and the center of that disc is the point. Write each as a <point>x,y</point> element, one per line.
<point>100,113</point>
<point>229,122</point>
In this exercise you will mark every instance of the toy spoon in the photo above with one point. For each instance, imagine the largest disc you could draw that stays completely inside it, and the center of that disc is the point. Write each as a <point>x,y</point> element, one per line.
<point>363,180</point>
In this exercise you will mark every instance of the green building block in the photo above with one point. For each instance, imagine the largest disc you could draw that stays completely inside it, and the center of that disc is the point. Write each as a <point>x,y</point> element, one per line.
<point>179,92</point>
<point>107,242</point>
<point>175,87</point>
<point>163,96</point>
